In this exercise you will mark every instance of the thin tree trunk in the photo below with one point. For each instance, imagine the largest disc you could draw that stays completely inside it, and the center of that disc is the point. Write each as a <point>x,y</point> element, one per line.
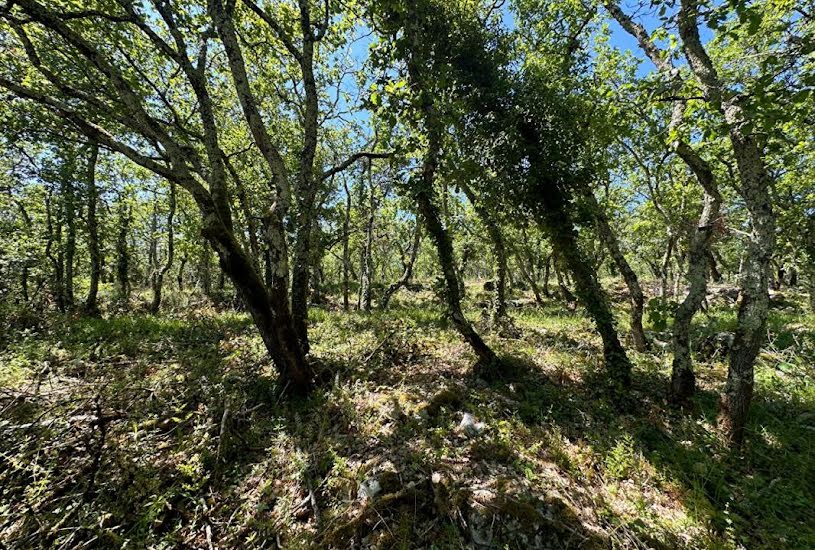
<point>683,380</point>
<point>251,222</point>
<point>366,266</point>
<point>424,194</point>
<point>407,274</point>
<point>664,267</point>
<point>91,304</point>
<point>180,276</point>
<point>301,272</point>
<point>546,269</point>
<point>564,240</point>
<point>346,248</point>
<point>636,296</point>
<point>528,277</point>
<point>123,254</point>
<point>158,275</point>
<point>713,264</point>
<point>53,236</point>
<point>69,218</point>
<point>565,293</point>
<point>205,273</point>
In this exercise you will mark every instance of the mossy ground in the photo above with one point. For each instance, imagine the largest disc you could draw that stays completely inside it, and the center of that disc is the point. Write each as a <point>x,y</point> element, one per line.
<point>197,448</point>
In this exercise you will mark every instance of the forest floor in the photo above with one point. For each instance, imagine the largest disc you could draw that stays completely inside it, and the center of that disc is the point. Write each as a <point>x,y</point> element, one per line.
<point>170,432</point>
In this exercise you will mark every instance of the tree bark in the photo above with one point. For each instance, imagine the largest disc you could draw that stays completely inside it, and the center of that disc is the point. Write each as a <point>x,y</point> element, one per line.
<point>636,296</point>
<point>366,265</point>
<point>755,190</point>
<point>69,219</point>
<point>562,233</point>
<point>269,310</point>
<point>123,254</point>
<point>528,277</point>
<point>683,380</point>
<point>346,248</point>
<point>407,274</point>
<point>422,187</point>
<point>91,304</point>
<point>157,279</point>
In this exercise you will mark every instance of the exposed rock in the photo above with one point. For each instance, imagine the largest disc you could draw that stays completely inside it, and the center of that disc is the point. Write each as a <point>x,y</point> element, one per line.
<point>470,427</point>
<point>368,489</point>
<point>384,478</point>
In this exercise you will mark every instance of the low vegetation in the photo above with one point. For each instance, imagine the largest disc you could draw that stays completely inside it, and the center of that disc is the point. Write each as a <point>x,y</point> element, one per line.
<point>141,431</point>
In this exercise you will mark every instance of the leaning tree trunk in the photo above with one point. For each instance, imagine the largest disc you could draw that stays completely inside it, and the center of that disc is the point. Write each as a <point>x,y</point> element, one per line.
<point>632,282</point>
<point>407,274</point>
<point>561,283</point>
<point>269,307</point>
<point>430,214</point>
<point>424,195</point>
<point>683,380</point>
<point>562,233</point>
<point>91,304</point>
<point>157,279</point>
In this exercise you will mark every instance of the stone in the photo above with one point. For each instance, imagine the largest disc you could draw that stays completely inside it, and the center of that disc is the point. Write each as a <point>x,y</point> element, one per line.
<point>368,489</point>
<point>470,427</point>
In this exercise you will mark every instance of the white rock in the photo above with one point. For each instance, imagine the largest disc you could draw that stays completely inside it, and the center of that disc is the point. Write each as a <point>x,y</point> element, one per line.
<point>469,426</point>
<point>368,489</point>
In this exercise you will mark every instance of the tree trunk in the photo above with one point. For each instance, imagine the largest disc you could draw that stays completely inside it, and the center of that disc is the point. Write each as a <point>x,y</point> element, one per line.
<point>546,269</point>
<point>52,237</point>
<point>683,380</point>
<point>123,254</point>
<point>664,267</point>
<point>565,293</point>
<point>205,272</point>
<point>430,215</point>
<point>269,307</point>
<point>157,280</point>
<point>180,276</point>
<point>715,274</point>
<point>755,190</point>
<point>528,277</point>
<point>562,233</point>
<point>91,305</point>
<point>636,296</point>
<point>407,274</point>
<point>301,273</point>
<point>346,248</point>
<point>69,218</point>
<point>367,268</point>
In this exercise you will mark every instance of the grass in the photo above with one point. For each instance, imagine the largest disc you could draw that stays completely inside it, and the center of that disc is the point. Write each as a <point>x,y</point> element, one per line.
<point>196,446</point>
